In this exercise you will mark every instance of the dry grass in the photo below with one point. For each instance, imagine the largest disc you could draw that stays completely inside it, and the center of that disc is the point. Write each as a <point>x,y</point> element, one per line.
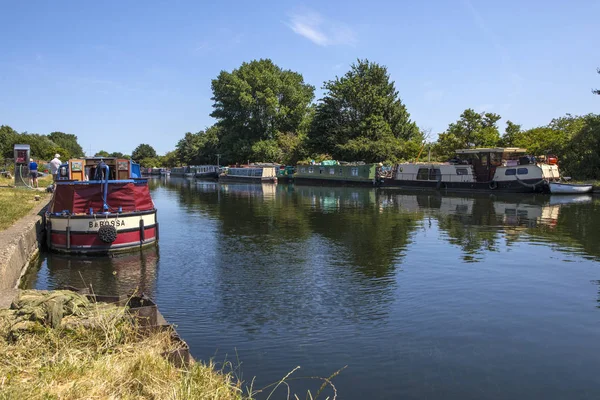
<point>15,203</point>
<point>106,359</point>
<point>96,351</point>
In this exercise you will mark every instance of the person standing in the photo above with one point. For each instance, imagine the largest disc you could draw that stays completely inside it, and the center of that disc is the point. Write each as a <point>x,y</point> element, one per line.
<point>33,173</point>
<point>54,164</point>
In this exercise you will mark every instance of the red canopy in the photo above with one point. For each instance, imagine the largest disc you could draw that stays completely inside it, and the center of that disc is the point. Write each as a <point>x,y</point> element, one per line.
<point>78,198</point>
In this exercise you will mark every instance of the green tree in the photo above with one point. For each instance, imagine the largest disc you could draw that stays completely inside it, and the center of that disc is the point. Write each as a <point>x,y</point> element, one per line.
<point>150,162</point>
<point>199,148</point>
<point>581,157</point>
<point>361,117</point>
<point>596,91</point>
<point>170,159</point>
<point>511,134</point>
<point>68,142</point>
<point>472,130</point>
<point>117,154</point>
<point>143,151</point>
<point>255,102</point>
<point>102,153</point>
<point>7,139</point>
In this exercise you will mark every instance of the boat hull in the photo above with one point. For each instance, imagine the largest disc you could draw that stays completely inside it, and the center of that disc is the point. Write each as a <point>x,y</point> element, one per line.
<point>522,186</point>
<point>253,179</point>
<point>84,234</point>
<point>207,175</point>
<point>301,180</point>
<point>565,188</point>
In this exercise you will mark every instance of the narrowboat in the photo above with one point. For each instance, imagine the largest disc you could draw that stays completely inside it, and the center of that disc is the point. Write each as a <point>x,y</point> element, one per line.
<point>206,172</point>
<point>179,171</point>
<point>480,169</point>
<point>249,173</point>
<point>100,206</point>
<point>332,172</point>
<point>285,174</point>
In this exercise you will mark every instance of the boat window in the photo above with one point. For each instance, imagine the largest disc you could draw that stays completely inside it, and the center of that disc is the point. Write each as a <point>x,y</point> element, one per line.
<point>510,171</point>
<point>462,171</point>
<point>331,171</point>
<point>522,171</point>
<point>354,171</point>
<point>341,171</point>
<point>310,170</point>
<point>435,174</point>
<point>303,170</point>
<point>484,159</point>
<point>320,170</point>
<point>423,174</point>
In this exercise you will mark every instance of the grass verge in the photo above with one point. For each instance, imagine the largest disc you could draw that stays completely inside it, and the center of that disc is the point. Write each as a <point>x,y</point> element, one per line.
<point>15,203</point>
<point>94,351</point>
<point>58,345</point>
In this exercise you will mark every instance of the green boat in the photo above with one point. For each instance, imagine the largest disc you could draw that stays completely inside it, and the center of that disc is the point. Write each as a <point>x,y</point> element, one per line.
<point>331,172</point>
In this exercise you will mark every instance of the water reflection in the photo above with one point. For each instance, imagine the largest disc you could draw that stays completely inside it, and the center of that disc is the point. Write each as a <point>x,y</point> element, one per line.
<point>375,226</point>
<point>390,282</point>
<point>121,274</point>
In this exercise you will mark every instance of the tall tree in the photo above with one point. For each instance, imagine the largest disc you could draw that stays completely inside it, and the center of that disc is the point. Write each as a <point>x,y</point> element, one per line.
<point>596,91</point>
<point>254,103</point>
<point>361,117</point>
<point>581,156</point>
<point>143,151</point>
<point>68,142</point>
<point>473,129</point>
<point>511,134</point>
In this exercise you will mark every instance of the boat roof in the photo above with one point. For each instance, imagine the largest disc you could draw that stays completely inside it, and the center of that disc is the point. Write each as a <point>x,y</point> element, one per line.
<point>492,150</point>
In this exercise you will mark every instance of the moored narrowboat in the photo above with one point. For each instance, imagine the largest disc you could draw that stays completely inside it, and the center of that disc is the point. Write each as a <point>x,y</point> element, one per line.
<point>206,172</point>
<point>251,173</point>
<point>100,206</point>
<point>285,174</point>
<point>480,169</point>
<point>332,172</point>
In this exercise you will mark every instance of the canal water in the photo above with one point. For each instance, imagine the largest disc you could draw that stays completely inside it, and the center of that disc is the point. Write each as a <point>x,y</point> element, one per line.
<point>420,295</point>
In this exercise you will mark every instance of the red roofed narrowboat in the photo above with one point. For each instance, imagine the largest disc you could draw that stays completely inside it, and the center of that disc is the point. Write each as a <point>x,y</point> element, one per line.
<point>100,206</point>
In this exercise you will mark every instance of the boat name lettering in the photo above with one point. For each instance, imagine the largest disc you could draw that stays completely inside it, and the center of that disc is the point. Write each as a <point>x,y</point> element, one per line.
<point>114,222</point>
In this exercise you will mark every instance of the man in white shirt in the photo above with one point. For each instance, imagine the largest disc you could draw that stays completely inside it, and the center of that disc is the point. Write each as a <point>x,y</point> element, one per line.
<point>54,164</point>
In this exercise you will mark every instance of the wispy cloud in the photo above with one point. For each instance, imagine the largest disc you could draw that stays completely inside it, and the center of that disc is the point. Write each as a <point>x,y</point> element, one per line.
<point>484,108</point>
<point>320,30</point>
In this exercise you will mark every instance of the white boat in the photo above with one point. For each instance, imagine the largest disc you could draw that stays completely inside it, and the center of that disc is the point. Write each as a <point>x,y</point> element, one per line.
<point>569,188</point>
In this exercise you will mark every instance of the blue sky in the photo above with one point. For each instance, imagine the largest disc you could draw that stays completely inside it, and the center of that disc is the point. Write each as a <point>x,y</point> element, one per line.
<point>122,73</point>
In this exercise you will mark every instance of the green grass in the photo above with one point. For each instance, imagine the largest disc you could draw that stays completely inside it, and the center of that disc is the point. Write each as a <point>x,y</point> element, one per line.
<point>15,203</point>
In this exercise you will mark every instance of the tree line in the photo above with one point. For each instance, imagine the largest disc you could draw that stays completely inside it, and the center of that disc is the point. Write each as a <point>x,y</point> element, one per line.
<point>265,113</point>
<point>43,147</point>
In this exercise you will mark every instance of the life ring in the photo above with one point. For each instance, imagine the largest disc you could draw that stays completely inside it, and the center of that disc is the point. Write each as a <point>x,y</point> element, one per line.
<point>107,233</point>
<point>493,185</point>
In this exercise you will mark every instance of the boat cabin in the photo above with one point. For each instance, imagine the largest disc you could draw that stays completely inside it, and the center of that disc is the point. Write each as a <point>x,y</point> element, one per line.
<point>92,168</point>
<point>332,171</point>
<point>485,161</point>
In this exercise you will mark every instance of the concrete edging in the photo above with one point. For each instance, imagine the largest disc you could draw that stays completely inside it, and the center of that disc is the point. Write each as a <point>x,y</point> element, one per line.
<point>20,244</point>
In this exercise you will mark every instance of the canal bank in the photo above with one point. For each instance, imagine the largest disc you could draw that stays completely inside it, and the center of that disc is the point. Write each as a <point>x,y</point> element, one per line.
<point>20,245</point>
<point>70,345</point>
